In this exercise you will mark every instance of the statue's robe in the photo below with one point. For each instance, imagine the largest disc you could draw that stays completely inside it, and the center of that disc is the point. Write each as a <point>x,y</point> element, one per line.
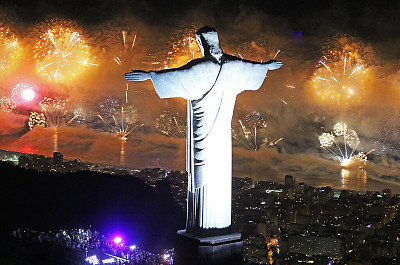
<point>210,89</point>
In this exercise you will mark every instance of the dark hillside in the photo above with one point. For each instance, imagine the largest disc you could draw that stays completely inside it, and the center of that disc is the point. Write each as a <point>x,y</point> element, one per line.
<point>113,204</point>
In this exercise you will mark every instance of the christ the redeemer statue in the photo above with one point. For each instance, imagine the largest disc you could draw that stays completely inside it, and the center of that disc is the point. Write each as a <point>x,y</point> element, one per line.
<point>210,85</point>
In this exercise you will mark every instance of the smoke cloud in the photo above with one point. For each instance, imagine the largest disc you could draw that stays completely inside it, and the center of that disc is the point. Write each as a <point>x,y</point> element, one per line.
<point>141,36</point>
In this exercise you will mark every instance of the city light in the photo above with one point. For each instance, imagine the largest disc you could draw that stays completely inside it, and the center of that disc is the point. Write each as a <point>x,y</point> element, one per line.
<point>93,260</point>
<point>117,240</point>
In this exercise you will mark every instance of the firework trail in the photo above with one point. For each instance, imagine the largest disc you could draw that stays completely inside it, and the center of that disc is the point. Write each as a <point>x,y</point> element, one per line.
<point>125,54</point>
<point>79,116</point>
<point>276,54</point>
<point>272,143</point>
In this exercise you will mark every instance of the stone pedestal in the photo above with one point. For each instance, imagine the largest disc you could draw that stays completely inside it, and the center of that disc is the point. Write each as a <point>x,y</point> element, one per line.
<point>215,250</point>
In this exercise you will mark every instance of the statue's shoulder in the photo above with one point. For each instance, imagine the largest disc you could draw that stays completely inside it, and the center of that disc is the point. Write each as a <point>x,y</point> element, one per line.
<point>199,62</point>
<point>231,58</point>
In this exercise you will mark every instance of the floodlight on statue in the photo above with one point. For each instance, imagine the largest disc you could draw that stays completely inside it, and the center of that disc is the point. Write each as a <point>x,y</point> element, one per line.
<point>210,85</point>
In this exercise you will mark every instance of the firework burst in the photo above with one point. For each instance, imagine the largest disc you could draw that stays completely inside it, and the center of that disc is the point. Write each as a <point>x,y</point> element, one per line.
<point>23,94</point>
<point>182,52</point>
<point>61,53</point>
<point>121,122</point>
<point>169,125</point>
<point>54,110</point>
<point>108,108</point>
<point>10,52</point>
<point>36,119</point>
<point>340,77</point>
<point>246,132</point>
<point>79,116</point>
<point>7,105</point>
<point>342,143</point>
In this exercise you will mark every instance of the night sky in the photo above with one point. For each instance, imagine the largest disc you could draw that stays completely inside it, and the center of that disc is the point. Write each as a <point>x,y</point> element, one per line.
<point>303,31</point>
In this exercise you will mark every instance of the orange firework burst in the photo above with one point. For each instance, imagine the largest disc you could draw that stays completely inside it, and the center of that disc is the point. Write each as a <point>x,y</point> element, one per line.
<point>340,77</point>
<point>10,52</point>
<point>54,111</point>
<point>7,105</point>
<point>61,53</point>
<point>124,122</point>
<point>36,119</point>
<point>182,52</point>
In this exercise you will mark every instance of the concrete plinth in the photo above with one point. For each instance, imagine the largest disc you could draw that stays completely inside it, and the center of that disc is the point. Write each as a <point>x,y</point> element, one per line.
<point>216,250</point>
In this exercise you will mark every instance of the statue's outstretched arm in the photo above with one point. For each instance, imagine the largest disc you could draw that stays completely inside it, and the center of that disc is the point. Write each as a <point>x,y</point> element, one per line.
<point>140,75</point>
<point>273,64</point>
<point>137,75</point>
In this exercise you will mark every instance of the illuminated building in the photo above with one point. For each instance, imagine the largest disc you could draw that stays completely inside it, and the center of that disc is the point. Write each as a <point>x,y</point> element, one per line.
<point>57,159</point>
<point>23,161</point>
<point>387,193</point>
<point>290,183</point>
<point>40,162</point>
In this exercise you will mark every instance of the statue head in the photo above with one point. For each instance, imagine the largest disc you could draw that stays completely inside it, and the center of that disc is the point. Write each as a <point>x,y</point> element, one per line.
<point>207,38</point>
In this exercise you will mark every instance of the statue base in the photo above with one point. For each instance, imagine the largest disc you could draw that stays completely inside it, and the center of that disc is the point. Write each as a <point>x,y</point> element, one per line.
<point>215,250</point>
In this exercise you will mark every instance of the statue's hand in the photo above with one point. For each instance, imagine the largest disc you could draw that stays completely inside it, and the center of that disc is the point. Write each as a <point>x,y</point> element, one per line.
<point>137,75</point>
<point>273,64</point>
